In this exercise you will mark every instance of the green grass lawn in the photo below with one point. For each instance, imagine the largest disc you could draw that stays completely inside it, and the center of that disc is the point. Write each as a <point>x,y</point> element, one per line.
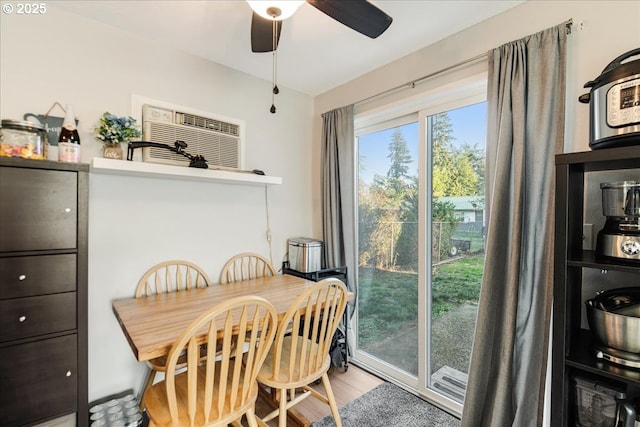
<point>388,300</point>
<point>456,283</point>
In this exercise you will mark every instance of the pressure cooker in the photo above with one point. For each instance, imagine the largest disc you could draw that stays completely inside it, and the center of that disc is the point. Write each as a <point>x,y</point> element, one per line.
<point>614,104</point>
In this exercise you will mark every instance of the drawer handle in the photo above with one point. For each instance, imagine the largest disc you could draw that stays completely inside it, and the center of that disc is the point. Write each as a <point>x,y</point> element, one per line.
<point>22,277</point>
<point>22,318</point>
<point>68,373</point>
<point>67,210</point>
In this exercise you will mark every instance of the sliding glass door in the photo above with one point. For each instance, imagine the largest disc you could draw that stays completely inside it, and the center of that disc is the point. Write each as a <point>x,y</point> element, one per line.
<point>421,219</point>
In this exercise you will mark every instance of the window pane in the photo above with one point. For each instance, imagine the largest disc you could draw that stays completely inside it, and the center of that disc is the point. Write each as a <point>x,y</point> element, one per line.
<point>388,239</point>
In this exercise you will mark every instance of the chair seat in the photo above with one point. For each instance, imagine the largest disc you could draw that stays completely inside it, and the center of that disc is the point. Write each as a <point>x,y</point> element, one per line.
<point>265,376</point>
<point>156,401</point>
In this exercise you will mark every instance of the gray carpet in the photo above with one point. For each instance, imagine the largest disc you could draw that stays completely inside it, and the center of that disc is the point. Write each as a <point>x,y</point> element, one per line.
<point>390,406</point>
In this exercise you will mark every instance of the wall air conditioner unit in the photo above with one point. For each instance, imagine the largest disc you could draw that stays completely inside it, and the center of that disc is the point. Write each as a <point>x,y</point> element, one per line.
<point>219,141</point>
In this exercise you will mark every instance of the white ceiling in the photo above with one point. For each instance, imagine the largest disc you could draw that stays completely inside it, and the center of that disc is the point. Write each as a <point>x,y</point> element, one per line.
<point>315,53</point>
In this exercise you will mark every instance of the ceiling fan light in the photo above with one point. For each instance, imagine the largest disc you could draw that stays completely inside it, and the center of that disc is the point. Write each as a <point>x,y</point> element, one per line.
<point>275,10</point>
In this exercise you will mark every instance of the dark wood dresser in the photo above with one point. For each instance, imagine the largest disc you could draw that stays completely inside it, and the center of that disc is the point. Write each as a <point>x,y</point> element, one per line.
<point>43,291</point>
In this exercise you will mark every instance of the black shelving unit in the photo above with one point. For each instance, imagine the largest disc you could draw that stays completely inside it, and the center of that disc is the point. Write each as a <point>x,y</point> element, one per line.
<point>573,351</point>
<point>339,273</point>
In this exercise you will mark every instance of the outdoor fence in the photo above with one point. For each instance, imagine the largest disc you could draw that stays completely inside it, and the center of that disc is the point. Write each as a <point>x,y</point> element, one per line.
<point>394,245</point>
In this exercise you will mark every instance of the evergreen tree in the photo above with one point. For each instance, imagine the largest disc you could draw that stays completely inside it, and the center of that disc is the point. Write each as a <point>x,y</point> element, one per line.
<point>388,194</point>
<point>399,156</point>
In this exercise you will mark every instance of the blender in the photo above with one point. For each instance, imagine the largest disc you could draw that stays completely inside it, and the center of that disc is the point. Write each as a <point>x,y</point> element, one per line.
<point>620,236</point>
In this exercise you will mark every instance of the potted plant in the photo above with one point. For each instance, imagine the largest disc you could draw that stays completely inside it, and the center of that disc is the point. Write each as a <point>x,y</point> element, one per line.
<point>113,131</point>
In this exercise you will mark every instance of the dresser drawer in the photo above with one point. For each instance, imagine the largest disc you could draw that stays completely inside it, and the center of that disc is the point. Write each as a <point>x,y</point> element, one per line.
<point>38,209</point>
<point>33,316</point>
<point>39,380</point>
<point>37,275</point>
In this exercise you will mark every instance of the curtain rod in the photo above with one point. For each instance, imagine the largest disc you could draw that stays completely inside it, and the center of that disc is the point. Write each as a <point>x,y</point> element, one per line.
<point>413,83</point>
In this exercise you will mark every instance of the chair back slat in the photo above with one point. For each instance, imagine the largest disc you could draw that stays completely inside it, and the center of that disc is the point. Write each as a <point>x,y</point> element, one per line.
<point>193,358</point>
<point>250,355</point>
<point>235,382</point>
<point>172,282</point>
<point>246,266</point>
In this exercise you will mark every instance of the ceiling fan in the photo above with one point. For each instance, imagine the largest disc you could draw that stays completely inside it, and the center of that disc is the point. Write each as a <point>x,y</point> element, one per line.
<point>359,15</point>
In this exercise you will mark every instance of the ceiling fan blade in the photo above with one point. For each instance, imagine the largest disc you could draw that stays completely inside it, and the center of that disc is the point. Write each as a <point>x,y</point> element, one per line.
<point>359,15</point>
<point>262,33</point>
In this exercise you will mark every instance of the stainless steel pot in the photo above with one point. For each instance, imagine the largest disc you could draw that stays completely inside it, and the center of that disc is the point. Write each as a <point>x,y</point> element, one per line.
<point>614,101</point>
<point>614,318</point>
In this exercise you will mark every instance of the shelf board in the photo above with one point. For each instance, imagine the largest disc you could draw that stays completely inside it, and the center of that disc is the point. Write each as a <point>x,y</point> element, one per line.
<point>588,259</point>
<point>582,356</point>
<point>337,272</point>
<point>145,169</point>
<point>43,164</point>
<point>600,160</point>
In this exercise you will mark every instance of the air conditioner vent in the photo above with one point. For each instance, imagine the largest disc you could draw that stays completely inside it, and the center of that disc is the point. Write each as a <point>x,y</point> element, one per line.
<point>207,123</point>
<point>218,141</point>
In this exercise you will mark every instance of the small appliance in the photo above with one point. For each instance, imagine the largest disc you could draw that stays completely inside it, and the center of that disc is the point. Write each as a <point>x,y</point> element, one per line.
<point>305,254</point>
<point>614,103</point>
<point>599,404</point>
<point>620,236</point>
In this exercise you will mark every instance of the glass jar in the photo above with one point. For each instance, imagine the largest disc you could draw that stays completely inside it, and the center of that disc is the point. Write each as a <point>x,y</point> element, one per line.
<point>23,139</point>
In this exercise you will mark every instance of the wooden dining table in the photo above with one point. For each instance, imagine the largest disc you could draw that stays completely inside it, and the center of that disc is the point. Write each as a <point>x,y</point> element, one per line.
<point>152,324</point>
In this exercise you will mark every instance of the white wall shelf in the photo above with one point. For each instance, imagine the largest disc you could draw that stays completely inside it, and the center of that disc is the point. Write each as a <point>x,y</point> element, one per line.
<point>145,169</point>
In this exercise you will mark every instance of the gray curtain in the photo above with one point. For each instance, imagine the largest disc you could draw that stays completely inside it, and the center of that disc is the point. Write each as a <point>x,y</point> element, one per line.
<point>526,98</point>
<point>338,195</point>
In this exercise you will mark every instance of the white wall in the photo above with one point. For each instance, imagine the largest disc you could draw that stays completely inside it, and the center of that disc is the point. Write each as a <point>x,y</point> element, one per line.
<point>136,222</point>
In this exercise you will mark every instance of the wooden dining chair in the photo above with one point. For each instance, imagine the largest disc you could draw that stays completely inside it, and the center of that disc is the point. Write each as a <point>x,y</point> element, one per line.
<point>217,391</point>
<point>300,353</point>
<point>245,266</point>
<point>165,277</point>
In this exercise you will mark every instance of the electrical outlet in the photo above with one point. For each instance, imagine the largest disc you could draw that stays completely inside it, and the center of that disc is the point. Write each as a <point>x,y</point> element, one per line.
<point>587,237</point>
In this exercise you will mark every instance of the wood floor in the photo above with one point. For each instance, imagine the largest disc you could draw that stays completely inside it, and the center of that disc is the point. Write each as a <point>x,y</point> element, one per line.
<point>346,386</point>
